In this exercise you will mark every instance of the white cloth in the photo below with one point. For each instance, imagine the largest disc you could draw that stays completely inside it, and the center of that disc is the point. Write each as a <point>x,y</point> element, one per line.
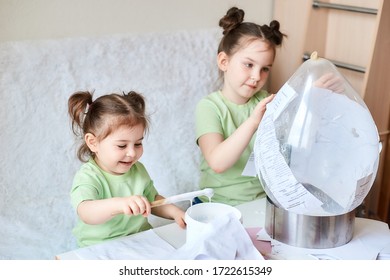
<point>224,238</point>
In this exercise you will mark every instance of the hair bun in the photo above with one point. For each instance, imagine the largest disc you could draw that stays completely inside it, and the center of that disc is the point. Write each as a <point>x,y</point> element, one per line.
<point>275,35</point>
<point>274,25</point>
<point>231,20</point>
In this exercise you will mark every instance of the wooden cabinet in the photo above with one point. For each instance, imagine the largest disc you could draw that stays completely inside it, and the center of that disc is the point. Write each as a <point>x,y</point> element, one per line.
<point>355,36</point>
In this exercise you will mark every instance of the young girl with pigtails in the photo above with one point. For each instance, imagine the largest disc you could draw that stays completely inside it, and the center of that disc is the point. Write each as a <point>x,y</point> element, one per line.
<point>112,192</point>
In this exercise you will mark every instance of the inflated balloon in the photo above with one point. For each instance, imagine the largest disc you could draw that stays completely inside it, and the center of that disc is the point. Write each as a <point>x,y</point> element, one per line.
<point>317,147</point>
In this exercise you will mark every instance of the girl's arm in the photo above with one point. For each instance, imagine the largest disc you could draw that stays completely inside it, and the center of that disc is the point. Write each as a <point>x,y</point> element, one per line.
<point>169,211</point>
<point>96,212</point>
<point>221,154</point>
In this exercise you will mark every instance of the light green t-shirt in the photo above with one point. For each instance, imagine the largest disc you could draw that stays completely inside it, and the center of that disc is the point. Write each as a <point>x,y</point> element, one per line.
<point>216,114</point>
<point>91,183</point>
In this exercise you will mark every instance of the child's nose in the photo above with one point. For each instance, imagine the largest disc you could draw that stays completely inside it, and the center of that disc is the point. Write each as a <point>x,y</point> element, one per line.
<point>130,153</point>
<point>255,76</point>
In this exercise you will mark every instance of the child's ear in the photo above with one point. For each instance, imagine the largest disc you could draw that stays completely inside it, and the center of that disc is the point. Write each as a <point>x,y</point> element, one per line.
<point>91,142</point>
<point>222,60</point>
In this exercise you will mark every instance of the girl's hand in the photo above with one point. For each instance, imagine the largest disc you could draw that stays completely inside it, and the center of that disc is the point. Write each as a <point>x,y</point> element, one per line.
<point>179,218</point>
<point>259,110</point>
<point>170,211</point>
<point>95,212</point>
<point>220,153</point>
<point>330,81</point>
<point>136,205</point>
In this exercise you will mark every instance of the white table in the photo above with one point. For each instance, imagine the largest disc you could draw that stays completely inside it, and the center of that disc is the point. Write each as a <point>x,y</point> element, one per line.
<point>253,216</point>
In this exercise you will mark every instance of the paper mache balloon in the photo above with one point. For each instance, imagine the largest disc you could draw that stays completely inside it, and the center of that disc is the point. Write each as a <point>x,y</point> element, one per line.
<point>317,147</point>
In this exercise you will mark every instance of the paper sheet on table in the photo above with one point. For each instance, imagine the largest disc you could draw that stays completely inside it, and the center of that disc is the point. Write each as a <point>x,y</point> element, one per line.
<point>263,246</point>
<point>145,245</point>
<point>370,237</point>
<point>384,254</point>
<point>223,239</point>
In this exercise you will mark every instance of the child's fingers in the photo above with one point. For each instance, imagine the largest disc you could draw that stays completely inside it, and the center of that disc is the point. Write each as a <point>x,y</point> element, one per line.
<point>335,85</point>
<point>268,99</point>
<point>181,223</point>
<point>138,205</point>
<point>321,82</point>
<point>147,208</point>
<point>127,211</point>
<point>331,82</point>
<point>261,106</point>
<point>141,206</point>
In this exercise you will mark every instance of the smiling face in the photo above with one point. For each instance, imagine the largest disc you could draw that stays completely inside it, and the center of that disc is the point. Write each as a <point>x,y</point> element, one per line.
<point>246,71</point>
<point>120,150</point>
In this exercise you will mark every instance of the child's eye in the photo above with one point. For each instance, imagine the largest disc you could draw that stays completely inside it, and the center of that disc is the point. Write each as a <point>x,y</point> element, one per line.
<point>121,146</point>
<point>265,69</point>
<point>249,65</point>
<point>138,144</point>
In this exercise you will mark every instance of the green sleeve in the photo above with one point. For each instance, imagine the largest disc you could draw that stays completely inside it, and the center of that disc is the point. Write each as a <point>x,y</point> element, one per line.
<point>207,118</point>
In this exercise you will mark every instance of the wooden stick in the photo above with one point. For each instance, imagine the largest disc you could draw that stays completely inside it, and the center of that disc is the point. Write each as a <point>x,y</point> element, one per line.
<point>152,204</point>
<point>157,203</point>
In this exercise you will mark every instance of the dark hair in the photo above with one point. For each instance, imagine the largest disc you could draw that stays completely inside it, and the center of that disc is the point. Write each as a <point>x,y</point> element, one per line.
<point>104,115</point>
<point>235,29</point>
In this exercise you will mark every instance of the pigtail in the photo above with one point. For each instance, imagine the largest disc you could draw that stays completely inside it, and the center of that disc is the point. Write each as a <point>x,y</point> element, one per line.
<point>136,100</point>
<point>78,104</point>
<point>138,105</point>
<point>79,110</point>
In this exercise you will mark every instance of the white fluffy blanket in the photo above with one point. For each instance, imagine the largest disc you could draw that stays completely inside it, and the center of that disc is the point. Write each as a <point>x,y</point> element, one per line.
<point>38,150</point>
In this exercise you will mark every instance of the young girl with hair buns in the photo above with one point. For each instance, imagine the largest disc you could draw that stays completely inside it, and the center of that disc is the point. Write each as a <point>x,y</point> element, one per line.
<point>112,191</point>
<point>226,120</point>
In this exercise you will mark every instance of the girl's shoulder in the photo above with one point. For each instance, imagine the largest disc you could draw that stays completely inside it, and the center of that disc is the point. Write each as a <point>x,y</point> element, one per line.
<point>89,171</point>
<point>211,103</point>
<point>89,166</point>
<point>215,96</point>
<point>212,98</point>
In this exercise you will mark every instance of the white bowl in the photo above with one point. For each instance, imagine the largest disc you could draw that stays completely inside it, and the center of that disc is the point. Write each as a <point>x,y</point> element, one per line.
<point>199,215</point>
